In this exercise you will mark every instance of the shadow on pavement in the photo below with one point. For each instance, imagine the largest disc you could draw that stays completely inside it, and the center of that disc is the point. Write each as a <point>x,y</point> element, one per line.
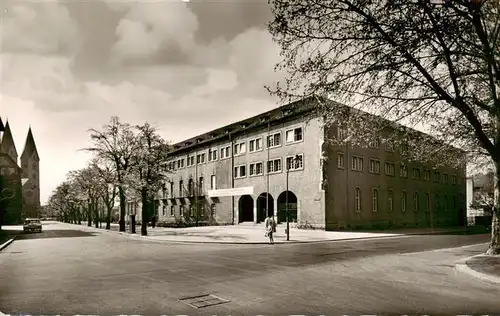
<point>20,235</point>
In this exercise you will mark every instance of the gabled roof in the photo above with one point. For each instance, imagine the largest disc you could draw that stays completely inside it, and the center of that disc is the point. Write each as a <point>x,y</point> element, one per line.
<point>7,140</point>
<point>30,146</point>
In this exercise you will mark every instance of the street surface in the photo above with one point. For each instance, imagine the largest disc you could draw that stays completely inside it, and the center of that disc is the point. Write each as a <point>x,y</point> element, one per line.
<point>67,271</point>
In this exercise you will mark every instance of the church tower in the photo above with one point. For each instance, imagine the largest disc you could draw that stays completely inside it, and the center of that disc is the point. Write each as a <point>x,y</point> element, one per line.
<point>7,145</point>
<point>30,170</point>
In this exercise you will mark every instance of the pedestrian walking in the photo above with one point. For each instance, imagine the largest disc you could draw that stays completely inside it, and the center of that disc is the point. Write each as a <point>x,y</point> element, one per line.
<point>270,229</point>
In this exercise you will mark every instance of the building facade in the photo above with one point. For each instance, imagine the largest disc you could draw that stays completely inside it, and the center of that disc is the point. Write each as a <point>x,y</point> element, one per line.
<point>19,185</point>
<point>242,173</point>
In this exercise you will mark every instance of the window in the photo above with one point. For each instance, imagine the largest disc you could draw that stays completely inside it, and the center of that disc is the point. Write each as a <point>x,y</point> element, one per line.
<point>294,135</point>
<point>436,202</point>
<point>390,169</point>
<point>427,202</point>
<point>274,140</point>
<point>190,187</point>
<point>172,210</point>
<point>403,201</point>
<point>191,210</point>
<point>416,202</point>
<point>213,182</point>
<point>340,133</point>
<point>181,184</point>
<point>198,159</point>
<point>403,171</point>
<point>427,174</point>
<point>295,162</point>
<point>389,146</point>
<point>416,173</point>
<point>357,163</point>
<point>274,165</point>
<point>404,149</point>
<point>375,143</point>
<point>202,210</point>
<point>256,169</point>
<point>224,152</point>
<point>172,189</point>
<point>240,171</point>
<point>212,210</point>
<point>164,210</point>
<point>164,191</point>
<point>240,148</point>
<point>181,211</point>
<point>375,200</point>
<point>453,179</point>
<point>357,200</point>
<point>200,186</point>
<point>454,202</point>
<point>445,203</point>
<point>437,176</point>
<point>390,200</point>
<point>212,154</point>
<point>179,163</point>
<point>445,178</point>
<point>190,161</point>
<point>374,166</point>
<point>255,144</point>
<point>340,160</point>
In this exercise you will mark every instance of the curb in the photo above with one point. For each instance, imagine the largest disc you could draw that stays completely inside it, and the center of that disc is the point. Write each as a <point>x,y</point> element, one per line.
<point>461,266</point>
<point>150,238</point>
<point>6,244</point>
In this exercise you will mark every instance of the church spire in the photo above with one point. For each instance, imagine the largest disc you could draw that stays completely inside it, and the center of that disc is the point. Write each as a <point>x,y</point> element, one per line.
<point>30,146</point>
<point>8,146</point>
<point>2,127</point>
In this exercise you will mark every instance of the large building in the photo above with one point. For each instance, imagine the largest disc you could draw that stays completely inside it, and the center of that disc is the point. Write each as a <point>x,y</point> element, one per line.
<point>242,173</point>
<point>19,185</point>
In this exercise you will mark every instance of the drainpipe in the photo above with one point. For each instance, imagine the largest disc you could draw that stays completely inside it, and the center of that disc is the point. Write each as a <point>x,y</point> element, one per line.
<point>232,175</point>
<point>267,168</point>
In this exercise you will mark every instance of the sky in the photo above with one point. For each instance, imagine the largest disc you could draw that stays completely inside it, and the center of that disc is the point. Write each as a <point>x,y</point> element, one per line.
<point>186,67</point>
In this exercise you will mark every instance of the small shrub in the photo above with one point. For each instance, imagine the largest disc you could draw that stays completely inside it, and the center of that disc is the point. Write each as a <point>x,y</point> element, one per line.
<point>305,225</point>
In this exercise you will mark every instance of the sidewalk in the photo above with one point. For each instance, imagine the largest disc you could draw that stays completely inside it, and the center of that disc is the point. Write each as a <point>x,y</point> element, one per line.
<point>484,267</point>
<point>254,234</point>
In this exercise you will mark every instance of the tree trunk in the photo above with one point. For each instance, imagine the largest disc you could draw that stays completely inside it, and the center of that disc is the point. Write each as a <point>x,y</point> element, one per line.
<point>96,214</point>
<point>108,217</point>
<point>89,214</point>
<point>494,248</point>
<point>145,213</point>
<point>121,193</point>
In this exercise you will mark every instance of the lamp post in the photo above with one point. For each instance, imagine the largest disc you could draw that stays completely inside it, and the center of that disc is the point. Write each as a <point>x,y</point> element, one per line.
<point>293,162</point>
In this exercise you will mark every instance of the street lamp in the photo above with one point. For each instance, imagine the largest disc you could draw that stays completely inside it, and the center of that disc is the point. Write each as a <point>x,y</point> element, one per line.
<point>295,159</point>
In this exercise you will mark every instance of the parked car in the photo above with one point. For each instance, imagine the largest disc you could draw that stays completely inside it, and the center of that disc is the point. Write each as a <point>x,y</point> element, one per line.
<point>32,225</point>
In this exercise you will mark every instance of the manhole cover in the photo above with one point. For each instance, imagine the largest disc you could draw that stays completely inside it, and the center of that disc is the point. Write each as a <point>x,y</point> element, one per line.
<point>205,300</point>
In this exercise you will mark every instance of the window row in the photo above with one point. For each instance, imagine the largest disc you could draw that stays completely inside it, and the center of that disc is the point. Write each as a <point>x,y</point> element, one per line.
<point>170,210</point>
<point>192,188</point>
<point>292,163</point>
<point>375,143</point>
<point>274,140</point>
<point>374,166</point>
<point>436,203</point>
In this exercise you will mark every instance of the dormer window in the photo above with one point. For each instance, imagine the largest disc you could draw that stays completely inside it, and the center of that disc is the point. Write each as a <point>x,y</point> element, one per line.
<point>244,125</point>
<point>213,135</point>
<point>227,131</point>
<point>199,140</point>
<point>187,143</point>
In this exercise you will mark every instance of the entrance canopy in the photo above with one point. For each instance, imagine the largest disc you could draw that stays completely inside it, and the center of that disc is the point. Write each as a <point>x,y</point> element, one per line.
<point>230,192</point>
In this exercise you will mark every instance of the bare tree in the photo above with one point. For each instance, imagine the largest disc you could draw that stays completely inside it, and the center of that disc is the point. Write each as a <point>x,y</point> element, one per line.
<point>86,182</point>
<point>149,172</point>
<point>415,62</point>
<point>107,185</point>
<point>117,144</point>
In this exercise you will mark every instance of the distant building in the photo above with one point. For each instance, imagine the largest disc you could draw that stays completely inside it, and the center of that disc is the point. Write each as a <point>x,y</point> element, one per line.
<point>480,189</point>
<point>238,173</point>
<point>19,185</point>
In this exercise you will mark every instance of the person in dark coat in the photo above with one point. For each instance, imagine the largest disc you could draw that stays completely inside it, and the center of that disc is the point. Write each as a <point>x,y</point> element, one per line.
<point>153,222</point>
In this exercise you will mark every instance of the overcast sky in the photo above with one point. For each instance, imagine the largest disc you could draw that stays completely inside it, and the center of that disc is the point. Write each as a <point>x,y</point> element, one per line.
<point>187,67</point>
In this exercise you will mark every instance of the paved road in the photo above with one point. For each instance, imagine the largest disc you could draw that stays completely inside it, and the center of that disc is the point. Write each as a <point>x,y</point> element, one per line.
<point>106,273</point>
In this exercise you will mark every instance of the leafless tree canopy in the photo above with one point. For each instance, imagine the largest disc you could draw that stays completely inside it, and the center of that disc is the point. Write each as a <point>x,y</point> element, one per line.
<point>414,61</point>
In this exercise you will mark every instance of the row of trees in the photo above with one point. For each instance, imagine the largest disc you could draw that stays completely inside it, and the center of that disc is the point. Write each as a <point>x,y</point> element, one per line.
<point>128,163</point>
